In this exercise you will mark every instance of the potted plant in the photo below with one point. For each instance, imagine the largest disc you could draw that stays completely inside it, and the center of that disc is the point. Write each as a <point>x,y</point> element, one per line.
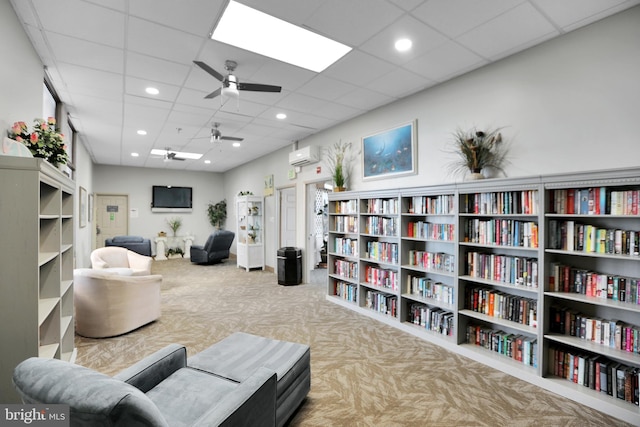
<point>339,163</point>
<point>174,253</point>
<point>174,224</point>
<point>217,213</point>
<point>44,141</point>
<point>478,150</point>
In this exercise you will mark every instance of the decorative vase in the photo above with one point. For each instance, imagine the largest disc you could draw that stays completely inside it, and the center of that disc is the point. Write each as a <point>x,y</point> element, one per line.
<point>338,189</point>
<point>475,175</point>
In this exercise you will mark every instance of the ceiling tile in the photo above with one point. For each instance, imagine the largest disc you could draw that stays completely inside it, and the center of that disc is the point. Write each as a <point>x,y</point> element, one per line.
<point>399,83</point>
<point>87,54</point>
<point>156,69</point>
<point>153,39</point>
<point>445,62</point>
<point>358,68</point>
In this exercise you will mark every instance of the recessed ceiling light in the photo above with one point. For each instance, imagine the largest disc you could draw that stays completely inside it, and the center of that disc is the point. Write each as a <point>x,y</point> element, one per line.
<point>403,45</point>
<point>207,162</point>
<point>142,132</point>
<point>134,154</point>
<point>244,27</point>
<point>236,144</point>
<point>152,91</point>
<point>281,116</point>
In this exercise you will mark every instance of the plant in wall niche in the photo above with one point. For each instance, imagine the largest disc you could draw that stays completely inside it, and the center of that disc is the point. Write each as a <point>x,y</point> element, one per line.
<point>478,150</point>
<point>217,213</point>
<point>43,141</point>
<point>339,161</point>
<point>174,224</point>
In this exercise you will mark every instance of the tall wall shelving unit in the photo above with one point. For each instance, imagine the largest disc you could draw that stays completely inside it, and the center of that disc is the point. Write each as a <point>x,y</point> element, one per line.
<point>475,268</point>
<point>250,232</point>
<point>36,308</point>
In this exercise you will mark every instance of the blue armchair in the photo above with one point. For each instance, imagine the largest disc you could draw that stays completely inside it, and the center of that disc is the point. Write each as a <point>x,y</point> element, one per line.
<point>215,249</point>
<point>160,390</point>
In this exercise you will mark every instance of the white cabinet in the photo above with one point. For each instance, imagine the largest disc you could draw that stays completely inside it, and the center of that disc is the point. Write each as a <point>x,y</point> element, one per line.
<point>36,289</point>
<point>250,232</point>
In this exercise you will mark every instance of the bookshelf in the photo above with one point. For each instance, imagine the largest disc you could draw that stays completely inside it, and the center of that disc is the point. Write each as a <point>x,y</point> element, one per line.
<point>37,265</point>
<point>479,269</point>
<point>250,232</point>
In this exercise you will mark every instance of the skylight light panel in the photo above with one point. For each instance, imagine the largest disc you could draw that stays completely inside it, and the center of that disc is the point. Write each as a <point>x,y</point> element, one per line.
<point>252,30</point>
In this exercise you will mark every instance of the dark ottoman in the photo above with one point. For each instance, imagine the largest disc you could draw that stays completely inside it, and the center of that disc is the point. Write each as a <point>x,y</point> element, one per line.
<point>239,355</point>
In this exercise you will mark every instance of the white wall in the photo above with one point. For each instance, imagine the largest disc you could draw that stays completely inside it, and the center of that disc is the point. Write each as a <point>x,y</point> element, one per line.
<point>137,182</point>
<point>570,104</point>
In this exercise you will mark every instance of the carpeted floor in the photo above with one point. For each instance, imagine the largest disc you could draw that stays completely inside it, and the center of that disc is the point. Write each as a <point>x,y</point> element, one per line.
<point>363,373</point>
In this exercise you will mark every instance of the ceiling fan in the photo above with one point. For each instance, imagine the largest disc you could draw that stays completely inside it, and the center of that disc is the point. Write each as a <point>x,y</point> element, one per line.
<point>167,155</point>
<point>230,84</point>
<point>216,135</point>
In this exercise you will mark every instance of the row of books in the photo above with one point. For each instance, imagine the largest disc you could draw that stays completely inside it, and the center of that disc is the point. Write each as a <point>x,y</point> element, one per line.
<point>382,251</point>
<point>381,226</point>
<point>382,206</point>
<point>345,224</point>
<point>573,236</point>
<point>595,201</point>
<point>428,288</point>
<point>502,305</point>
<point>346,269</point>
<point>505,232</point>
<point>565,278</point>
<point>501,202</point>
<point>346,246</point>
<point>514,270</point>
<point>435,261</point>
<point>609,333</point>
<point>382,277</point>
<point>432,205</point>
<point>346,207</point>
<point>346,291</point>
<point>432,318</point>
<point>432,231</point>
<point>597,373</point>
<point>382,303</point>
<point>521,348</point>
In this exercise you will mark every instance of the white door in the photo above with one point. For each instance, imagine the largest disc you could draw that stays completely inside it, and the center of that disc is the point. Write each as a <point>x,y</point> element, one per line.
<point>287,217</point>
<point>112,217</point>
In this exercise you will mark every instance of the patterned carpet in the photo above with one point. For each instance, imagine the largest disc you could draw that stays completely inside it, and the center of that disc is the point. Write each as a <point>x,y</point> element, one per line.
<point>363,373</point>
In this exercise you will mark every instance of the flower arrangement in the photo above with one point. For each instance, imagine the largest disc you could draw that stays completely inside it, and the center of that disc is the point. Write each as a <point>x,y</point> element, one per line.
<point>43,141</point>
<point>174,224</point>
<point>339,163</point>
<point>478,150</point>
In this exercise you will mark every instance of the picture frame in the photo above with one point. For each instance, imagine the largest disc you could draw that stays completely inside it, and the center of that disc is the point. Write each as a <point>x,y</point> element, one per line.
<point>390,153</point>
<point>90,208</point>
<point>82,208</point>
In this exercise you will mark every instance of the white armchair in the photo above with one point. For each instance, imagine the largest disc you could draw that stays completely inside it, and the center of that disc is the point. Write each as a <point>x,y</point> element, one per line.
<point>117,258</point>
<point>109,304</point>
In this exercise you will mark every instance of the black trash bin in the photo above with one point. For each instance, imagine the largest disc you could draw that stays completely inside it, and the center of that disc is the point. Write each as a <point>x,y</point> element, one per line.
<point>289,266</point>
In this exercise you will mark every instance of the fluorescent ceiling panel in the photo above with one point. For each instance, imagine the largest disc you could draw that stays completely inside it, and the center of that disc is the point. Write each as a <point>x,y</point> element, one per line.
<point>193,156</point>
<point>252,30</point>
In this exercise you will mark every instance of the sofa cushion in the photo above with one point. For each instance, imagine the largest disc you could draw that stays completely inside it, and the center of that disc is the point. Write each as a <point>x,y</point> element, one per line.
<point>95,399</point>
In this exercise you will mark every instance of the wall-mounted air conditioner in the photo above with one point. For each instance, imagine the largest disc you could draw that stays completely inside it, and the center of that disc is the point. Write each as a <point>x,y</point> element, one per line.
<point>304,156</point>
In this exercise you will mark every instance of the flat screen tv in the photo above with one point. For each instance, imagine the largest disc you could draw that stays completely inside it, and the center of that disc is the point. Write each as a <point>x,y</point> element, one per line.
<point>170,197</point>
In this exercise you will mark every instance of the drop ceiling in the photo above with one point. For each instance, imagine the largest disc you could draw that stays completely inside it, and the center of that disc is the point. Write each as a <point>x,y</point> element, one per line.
<point>101,55</point>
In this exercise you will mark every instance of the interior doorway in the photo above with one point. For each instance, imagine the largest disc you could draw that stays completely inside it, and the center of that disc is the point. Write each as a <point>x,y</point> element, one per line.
<point>317,197</point>
<point>112,217</point>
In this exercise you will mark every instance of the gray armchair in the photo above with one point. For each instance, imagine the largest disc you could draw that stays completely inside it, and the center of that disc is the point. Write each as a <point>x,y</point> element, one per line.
<point>215,249</point>
<point>160,390</point>
<point>133,243</point>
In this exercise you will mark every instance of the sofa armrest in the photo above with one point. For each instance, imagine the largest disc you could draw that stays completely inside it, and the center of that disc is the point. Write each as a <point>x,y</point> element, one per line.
<point>139,262</point>
<point>252,403</point>
<point>153,369</point>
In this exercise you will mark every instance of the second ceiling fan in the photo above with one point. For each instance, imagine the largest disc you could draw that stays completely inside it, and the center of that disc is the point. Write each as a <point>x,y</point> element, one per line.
<point>230,83</point>
<point>216,135</point>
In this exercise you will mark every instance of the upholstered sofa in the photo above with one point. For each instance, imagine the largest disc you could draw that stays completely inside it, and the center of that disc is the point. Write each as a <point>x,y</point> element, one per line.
<point>109,303</point>
<point>133,243</point>
<point>215,249</point>
<point>160,390</point>
<point>113,257</point>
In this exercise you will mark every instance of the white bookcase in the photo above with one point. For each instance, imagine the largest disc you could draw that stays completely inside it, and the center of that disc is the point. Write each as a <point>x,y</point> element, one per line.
<point>474,267</point>
<point>250,232</point>
<point>36,304</point>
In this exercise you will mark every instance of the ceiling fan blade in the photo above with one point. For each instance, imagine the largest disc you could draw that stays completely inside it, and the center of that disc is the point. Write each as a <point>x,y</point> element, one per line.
<point>213,94</point>
<point>232,138</point>
<point>259,87</point>
<point>209,70</point>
